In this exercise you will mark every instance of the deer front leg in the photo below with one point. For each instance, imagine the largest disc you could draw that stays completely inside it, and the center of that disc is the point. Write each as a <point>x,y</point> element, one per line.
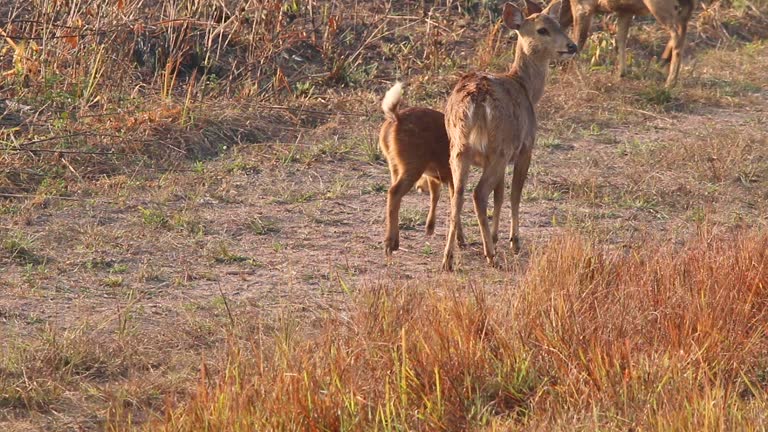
<point>498,202</point>
<point>625,20</point>
<point>582,22</point>
<point>459,231</point>
<point>519,175</point>
<point>678,40</point>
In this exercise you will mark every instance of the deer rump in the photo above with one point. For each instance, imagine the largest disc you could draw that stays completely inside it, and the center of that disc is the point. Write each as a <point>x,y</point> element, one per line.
<point>484,119</point>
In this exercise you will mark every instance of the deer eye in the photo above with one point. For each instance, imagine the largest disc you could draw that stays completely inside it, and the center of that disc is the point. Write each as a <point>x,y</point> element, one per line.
<point>543,31</point>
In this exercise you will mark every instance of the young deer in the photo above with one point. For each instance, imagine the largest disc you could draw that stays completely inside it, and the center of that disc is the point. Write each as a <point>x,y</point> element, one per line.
<point>415,144</point>
<point>672,14</point>
<point>491,122</point>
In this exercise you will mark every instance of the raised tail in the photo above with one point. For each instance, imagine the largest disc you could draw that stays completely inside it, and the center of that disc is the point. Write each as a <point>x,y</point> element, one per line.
<point>391,101</point>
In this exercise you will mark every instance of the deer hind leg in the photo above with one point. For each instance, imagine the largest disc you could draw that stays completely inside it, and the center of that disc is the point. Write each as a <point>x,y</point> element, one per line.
<point>434,197</point>
<point>460,171</point>
<point>489,180</point>
<point>498,202</point>
<point>625,20</point>
<point>666,56</point>
<point>519,176</point>
<point>399,188</point>
<point>459,230</point>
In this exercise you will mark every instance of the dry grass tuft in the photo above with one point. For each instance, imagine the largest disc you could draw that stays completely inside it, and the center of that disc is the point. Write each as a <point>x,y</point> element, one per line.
<point>655,338</point>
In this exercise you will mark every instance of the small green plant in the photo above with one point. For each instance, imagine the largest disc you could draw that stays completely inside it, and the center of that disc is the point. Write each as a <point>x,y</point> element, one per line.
<point>294,196</point>
<point>223,255</point>
<point>263,225</point>
<point>304,89</point>
<point>119,268</point>
<point>551,143</point>
<point>376,188</point>
<point>655,95</point>
<point>113,281</point>
<point>19,248</point>
<point>153,218</point>
<point>185,222</point>
<point>411,218</point>
<point>198,167</point>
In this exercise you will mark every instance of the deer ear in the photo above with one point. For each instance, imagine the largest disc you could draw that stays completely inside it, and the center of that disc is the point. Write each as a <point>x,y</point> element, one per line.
<point>512,16</point>
<point>554,8</point>
<point>532,7</point>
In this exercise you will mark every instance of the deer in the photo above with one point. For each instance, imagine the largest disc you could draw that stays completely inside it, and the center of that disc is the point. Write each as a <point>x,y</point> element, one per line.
<point>672,14</point>
<point>491,123</point>
<point>415,145</point>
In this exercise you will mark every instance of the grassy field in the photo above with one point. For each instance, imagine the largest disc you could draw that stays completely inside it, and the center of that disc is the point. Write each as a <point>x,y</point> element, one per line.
<point>192,206</point>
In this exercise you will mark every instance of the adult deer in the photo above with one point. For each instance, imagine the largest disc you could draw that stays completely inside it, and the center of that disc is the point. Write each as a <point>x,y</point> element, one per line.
<point>672,14</point>
<point>491,122</point>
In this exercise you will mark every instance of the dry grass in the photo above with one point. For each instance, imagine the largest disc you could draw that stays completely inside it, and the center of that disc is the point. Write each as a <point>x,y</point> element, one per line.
<point>657,338</point>
<point>202,202</point>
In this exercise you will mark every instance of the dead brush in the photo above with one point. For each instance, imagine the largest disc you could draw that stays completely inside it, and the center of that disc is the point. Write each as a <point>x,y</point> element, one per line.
<point>415,144</point>
<point>666,336</point>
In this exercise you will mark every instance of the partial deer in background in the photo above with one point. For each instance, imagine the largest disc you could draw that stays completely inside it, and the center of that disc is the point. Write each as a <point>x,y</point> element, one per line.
<point>415,145</point>
<point>672,14</point>
<point>491,122</point>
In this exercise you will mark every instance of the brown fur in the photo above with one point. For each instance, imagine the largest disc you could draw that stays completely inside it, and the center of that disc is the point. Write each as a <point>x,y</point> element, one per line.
<point>415,145</point>
<point>672,14</point>
<point>491,122</point>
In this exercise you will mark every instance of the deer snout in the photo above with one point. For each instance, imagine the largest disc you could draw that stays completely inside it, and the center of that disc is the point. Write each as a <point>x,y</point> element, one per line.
<point>570,50</point>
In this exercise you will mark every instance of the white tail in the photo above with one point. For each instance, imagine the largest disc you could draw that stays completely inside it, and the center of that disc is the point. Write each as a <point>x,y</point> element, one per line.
<point>391,101</point>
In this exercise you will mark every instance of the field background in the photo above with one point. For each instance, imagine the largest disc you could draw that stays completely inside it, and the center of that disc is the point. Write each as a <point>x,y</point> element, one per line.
<point>191,216</point>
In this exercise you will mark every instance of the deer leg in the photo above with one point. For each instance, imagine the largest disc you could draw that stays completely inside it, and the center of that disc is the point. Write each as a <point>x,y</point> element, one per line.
<point>460,171</point>
<point>395,196</point>
<point>491,177</point>
<point>394,172</point>
<point>460,231</point>
<point>666,56</point>
<point>434,196</point>
<point>519,175</point>
<point>582,21</point>
<point>678,39</point>
<point>621,41</point>
<point>498,202</point>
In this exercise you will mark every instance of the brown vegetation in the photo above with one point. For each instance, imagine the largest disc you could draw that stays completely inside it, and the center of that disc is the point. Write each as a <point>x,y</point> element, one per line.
<point>191,213</point>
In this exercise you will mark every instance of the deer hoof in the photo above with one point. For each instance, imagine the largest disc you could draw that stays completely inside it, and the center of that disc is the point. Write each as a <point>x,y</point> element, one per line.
<point>430,228</point>
<point>447,265</point>
<point>514,244</point>
<point>391,245</point>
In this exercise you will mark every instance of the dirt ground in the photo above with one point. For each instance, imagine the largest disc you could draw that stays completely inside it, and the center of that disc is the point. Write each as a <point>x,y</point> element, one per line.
<point>270,230</point>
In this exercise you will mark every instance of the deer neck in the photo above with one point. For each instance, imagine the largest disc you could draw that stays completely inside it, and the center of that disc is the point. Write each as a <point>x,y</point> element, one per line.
<point>530,71</point>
